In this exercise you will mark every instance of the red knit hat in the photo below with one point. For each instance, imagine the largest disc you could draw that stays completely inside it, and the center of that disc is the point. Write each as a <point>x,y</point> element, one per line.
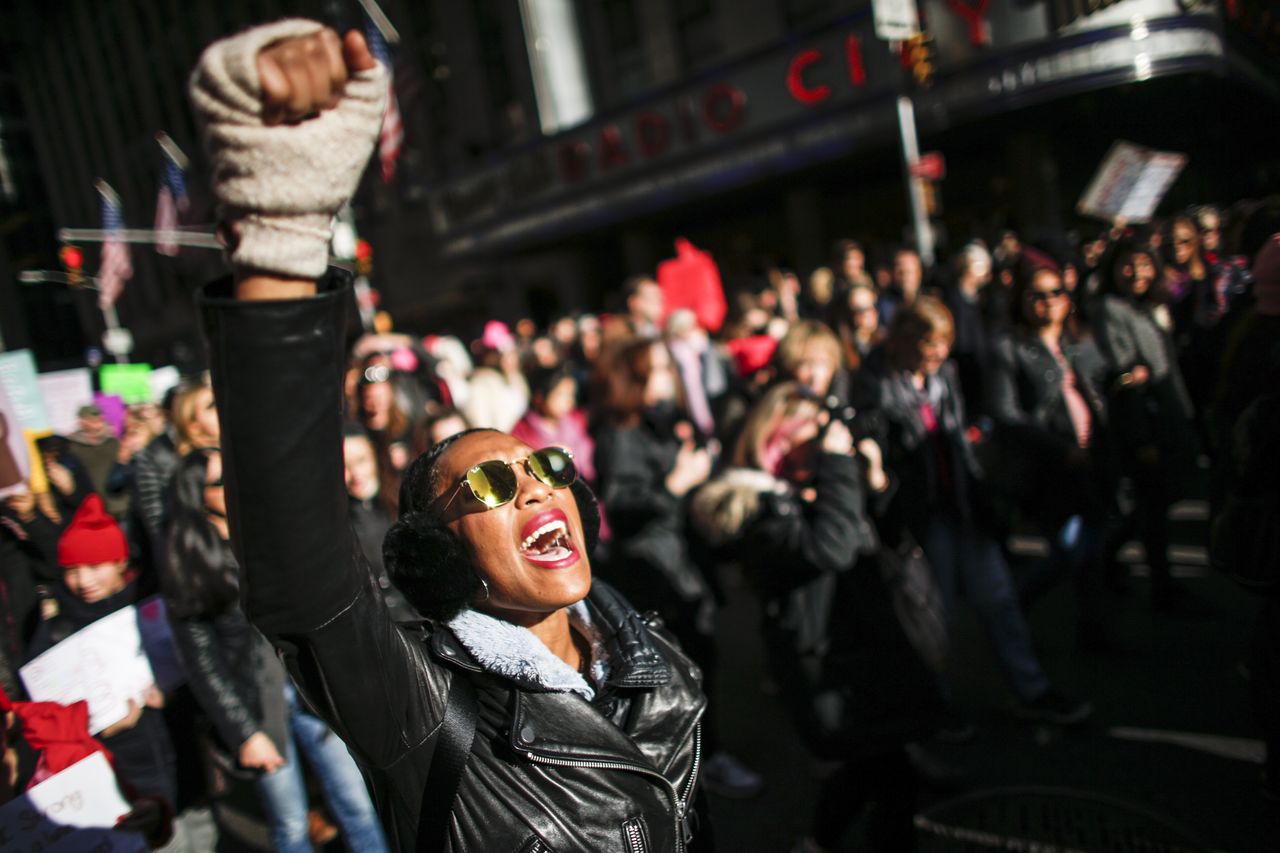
<point>91,537</point>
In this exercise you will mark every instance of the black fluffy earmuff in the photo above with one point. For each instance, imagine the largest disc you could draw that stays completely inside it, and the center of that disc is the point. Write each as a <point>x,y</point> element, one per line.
<point>430,563</point>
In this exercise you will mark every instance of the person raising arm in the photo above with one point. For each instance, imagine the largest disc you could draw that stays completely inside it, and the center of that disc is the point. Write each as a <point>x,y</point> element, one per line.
<point>587,716</point>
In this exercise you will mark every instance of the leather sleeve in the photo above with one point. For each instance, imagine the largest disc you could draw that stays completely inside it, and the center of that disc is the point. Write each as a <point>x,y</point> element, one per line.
<point>827,534</point>
<point>631,486</point>
<point>212,682</point>
<point>1115,337</point>
<point>276,368</point>
<point>147,495</point>
<point>1002,382</point>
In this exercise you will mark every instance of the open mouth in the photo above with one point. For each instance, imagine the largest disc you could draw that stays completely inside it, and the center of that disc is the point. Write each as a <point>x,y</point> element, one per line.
<point>547,542</point>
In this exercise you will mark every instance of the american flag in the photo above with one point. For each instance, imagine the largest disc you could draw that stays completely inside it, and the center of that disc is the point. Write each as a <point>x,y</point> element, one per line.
<point>170,203</point>
<point>114,268</point>
<point>392,135</point>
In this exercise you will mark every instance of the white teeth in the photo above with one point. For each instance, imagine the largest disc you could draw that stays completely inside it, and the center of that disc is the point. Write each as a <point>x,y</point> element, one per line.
<point>541,531</point>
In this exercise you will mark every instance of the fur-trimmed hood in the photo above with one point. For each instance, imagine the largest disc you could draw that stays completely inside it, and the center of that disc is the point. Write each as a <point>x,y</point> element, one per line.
<point>723,508</point>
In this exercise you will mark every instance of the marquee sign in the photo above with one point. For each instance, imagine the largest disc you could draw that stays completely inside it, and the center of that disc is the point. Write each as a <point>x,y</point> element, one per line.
<point>819,100</point>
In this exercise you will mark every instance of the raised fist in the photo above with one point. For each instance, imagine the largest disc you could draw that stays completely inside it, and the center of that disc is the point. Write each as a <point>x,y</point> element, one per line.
<point>290,116</point>
<point>302,76</point>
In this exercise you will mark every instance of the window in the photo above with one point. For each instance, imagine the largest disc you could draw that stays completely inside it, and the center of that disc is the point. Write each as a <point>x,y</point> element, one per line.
<point>697,31</point>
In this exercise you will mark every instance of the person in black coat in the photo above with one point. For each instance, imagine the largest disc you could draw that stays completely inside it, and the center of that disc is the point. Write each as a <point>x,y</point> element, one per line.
<point>1151,413</point>
<point>1050,433</point>
<point>940,501</point>
<point>257,726</point>
<point>792,509</point>
<point>648,459</point>
<point>584,717</point>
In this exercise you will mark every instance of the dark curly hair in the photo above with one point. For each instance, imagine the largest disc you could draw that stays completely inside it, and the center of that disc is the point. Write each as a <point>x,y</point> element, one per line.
<point>199,576</point>
<point>430,563</point>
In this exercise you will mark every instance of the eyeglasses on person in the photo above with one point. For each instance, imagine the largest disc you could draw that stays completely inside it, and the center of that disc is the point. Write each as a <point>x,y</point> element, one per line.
<point>494,483</point>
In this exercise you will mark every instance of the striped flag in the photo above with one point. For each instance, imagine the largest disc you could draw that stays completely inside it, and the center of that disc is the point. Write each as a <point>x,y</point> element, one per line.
<point>114,268</point>
<point>172,200</point>
<point>392,135</point>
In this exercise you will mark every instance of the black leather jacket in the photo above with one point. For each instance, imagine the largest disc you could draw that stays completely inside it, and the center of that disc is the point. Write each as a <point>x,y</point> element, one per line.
<point>850,679</point>
<point>931,478</point>
<point>1025,383</point>
<point>238,683</point>
<point>548,771</point>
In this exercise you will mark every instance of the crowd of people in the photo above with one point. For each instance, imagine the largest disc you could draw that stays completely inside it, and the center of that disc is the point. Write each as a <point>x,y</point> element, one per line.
<point>839,429</point>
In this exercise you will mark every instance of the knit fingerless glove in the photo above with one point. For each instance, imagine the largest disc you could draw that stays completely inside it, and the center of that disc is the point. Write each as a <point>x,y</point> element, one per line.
<point>279,187</point>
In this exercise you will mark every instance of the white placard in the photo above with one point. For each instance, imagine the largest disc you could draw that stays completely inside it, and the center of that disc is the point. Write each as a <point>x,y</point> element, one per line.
<point>105,664</point>
<point>18,376</point>
<point>64,392</point>
<point>1130,183</point>
<point>895,20</point>
<point>162,379</point>
<point>70,811</point>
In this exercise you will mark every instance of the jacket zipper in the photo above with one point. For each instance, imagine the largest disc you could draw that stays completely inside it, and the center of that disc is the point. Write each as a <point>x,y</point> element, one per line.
<point>635,837</point>
<point>691,782</point>
<point>681,803</point>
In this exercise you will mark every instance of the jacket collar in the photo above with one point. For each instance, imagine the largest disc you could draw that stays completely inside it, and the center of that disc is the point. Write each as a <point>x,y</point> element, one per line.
<point>634,660</point>
<point>513,652</point>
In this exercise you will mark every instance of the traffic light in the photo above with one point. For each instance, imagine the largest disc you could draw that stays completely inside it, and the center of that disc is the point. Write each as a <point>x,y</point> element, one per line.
<point>73,261</point>
<point>364,257</point>
<point>919,56</point>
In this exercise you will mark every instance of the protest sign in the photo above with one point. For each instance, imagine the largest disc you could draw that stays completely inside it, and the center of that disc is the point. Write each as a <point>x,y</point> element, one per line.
<point>37,478</point>
<point>70,811</point>
<point>64,392</point>
<point>1130,183</point>
<point>162,379</point>
<point>18,377</point>
<point>131,382</point>
<point>106,664</point>
<point>692,280</point>
<point>113,410</point>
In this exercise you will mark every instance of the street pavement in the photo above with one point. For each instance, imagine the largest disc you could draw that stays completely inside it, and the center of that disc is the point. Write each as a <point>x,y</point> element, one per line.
<point>1170,760</point>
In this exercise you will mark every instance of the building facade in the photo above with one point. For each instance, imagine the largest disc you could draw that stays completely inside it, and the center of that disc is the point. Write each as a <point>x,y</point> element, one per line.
<point>766,129</point>
<point>553,147</point>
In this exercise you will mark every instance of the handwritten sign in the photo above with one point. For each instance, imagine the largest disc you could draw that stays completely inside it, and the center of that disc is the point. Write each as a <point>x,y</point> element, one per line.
<point>1130,183</point>
<point>107,664</point>
<point>64,392</point>
<point>162,379</point>
<point>18,376</point>
<point>895,20</point>
<point>130,382</point>
<point>70,811</point>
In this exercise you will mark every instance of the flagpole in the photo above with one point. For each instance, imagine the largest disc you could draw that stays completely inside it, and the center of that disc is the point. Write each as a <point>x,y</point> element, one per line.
<point>201,239</point>
<point>112,334</point>
<point>173,151</point>
<point>380,20</point>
